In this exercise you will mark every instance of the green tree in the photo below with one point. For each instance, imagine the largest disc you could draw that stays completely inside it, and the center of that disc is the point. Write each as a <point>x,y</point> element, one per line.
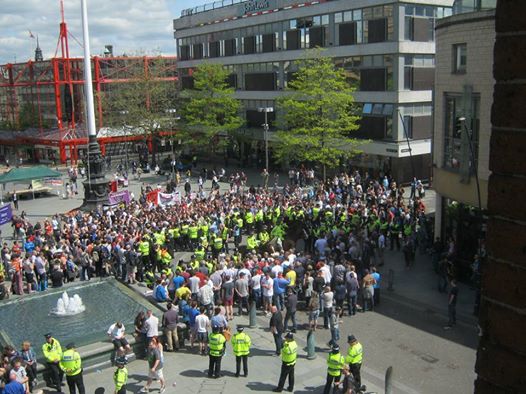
<point>28,116</point>
<point>145,104</point>
<point>318,115</point>
<point>210,113</point>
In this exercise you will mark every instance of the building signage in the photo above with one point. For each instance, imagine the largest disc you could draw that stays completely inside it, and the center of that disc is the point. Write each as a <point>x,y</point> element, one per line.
<point>256,5</point>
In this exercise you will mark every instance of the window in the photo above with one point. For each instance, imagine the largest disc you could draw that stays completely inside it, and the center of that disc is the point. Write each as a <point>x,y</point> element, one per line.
<point>459,58</point>
<point>456,137</point>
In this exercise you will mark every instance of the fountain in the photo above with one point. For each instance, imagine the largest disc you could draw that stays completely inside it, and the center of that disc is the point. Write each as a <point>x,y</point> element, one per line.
<point>68,306</point>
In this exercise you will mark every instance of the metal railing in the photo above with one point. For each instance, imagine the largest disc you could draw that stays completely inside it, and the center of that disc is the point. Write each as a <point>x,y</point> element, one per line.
<point>210,6</point>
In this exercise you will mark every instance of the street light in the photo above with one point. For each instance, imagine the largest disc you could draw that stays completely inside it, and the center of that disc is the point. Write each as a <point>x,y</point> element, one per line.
<point>469,133</point>
<point>266,110</point>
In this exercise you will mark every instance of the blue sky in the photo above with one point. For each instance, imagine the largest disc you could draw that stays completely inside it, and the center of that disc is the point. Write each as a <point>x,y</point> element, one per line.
<point>131,26</point>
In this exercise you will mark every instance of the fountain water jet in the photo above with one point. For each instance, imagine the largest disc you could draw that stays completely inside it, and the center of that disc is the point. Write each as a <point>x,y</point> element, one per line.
<point>68,306</point>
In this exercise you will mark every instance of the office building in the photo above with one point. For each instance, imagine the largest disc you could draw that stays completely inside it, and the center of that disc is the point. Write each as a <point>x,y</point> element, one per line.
<point>386,47</point>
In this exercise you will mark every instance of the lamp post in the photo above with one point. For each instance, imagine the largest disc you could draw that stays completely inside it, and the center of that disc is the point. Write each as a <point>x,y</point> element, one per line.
<point>469,133</point>
<point>96,185</point>
<point>266,110</point>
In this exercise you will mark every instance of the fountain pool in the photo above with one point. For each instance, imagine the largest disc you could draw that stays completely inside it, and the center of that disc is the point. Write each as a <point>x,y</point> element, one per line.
<point>106,301</point>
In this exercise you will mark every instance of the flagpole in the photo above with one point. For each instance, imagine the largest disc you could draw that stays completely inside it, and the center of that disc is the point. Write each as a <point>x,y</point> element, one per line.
<point>96,187</point>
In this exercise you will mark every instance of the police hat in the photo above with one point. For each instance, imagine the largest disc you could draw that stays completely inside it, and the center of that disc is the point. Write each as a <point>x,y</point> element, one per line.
<point>351,338</point>
<point>335,348</point>
<point>47,335</point>
<point>122,360</point>
<point>289,335</point>
<point>240,328</point>
<point>70,345</point>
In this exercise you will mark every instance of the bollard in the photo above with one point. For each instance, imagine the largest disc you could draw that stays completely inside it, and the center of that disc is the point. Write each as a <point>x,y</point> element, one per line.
<point>389,381</point>
<point>390,280</point>
<point>311,346</point>
<point>252,315</point>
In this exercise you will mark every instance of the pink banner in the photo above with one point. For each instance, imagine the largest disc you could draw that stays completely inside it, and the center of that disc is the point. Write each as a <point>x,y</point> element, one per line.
<point>119,197</point>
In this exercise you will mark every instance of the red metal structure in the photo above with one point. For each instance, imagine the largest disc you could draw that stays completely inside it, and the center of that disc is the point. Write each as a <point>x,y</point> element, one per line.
<point>53,91</point>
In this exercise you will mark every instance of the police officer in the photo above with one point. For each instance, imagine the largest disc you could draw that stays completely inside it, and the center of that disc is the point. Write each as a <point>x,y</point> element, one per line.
<point>120,376</point>
<point>216,349</point>
<point>335,364</point>
<point>354,358</point>
<point>289,352</point>
<point>241,346</point>
<point>53,354</point>
<point>71,364</point>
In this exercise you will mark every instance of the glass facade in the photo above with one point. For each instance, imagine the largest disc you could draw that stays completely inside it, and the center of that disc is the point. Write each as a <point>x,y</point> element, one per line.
<point>384,71</point>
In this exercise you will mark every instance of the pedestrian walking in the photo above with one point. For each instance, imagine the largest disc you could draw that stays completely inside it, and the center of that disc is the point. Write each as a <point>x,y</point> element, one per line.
<point>155,365</point>
<point>276,328</point>
<point>15,200</point>
<point>289,353</point>
<point>241,343</point>
<point>71,365</point>
<point>452,305</point>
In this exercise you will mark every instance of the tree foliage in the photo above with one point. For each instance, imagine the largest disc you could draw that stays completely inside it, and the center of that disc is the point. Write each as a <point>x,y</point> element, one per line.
<point>145,104</point>
<point>209,110</point>
<point>317,114</point>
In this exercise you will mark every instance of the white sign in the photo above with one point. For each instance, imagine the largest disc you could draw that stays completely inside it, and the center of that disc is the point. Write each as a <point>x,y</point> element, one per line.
<point>256,5</point>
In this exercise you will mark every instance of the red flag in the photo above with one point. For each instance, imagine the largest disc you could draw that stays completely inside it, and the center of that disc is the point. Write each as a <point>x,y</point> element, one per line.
<point>153,196</point>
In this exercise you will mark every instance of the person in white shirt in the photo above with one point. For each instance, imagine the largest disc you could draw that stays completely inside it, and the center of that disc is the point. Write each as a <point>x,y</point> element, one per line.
<point>277,269</point>
<point>255,285</point>
<point>267,283</point>
<point>116,333</point>
<point>326,273</point>
<point>152,326</point>
<point>206,297</point>
<point>202,324</point>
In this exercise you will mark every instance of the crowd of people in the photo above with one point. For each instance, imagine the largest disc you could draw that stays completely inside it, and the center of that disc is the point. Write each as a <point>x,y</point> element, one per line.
<point>317,246</point>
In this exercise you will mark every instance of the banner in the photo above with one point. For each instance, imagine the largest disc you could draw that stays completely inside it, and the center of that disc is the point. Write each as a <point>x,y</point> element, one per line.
<point>6,214</point>
<point>54,182</point>
<point>169,198</point>
<point>37,184</point>
<point>119,197</point>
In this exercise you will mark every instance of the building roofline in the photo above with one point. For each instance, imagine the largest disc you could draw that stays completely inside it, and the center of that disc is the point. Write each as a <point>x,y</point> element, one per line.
<point>468,17</point>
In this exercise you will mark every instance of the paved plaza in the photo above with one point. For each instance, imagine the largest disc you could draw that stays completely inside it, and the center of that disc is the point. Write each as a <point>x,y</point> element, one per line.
<point>405,331</point>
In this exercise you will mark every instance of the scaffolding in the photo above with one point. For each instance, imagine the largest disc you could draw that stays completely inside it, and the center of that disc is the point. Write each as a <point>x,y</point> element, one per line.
<point>45,99</point>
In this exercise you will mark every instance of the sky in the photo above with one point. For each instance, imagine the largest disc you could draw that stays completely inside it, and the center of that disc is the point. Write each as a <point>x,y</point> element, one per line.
<point>131,26</point>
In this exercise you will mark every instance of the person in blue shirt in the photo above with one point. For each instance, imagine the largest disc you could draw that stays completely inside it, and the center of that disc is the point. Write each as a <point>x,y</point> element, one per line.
<point>280,286</point>
<point>160,293</point>
<point>13,387</point>
<point>192,314</point>
<point>376,275</point>
<point>29,246</point>
<point>178,281</point>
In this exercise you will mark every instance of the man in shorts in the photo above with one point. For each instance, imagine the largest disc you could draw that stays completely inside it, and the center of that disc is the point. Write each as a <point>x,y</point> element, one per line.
<point>116,333</point>
<point>202,323</point>
<point>267,283</point>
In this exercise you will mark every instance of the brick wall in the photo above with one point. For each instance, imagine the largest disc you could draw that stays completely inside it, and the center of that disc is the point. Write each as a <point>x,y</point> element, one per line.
<point>501,358</point>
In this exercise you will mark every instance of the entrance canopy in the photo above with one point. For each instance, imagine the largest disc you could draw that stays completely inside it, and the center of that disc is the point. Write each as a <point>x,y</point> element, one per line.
<point>28,174</point>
